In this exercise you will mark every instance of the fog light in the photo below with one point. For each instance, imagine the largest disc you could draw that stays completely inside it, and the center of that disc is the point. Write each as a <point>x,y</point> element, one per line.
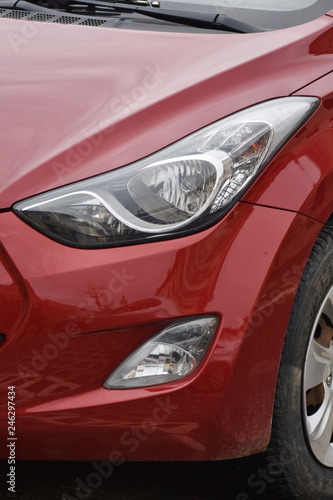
<point>170,355</point>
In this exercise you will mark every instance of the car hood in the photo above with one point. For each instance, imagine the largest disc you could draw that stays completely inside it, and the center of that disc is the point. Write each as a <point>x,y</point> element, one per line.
<point>78,101</point>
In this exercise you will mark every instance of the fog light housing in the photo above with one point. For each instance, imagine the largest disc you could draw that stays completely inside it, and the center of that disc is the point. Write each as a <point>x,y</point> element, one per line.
<point>170,355</point>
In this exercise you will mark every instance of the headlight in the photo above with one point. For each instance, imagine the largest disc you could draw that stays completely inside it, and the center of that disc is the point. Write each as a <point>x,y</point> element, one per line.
<point>181,189</point>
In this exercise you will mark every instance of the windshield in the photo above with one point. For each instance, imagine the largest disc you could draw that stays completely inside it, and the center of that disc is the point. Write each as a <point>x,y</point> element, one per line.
<point>270,14</point>
<point>270,5</point>
<point>228,16</point>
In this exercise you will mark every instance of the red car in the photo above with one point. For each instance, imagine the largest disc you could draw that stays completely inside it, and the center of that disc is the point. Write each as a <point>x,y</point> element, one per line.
<point>166,234</point>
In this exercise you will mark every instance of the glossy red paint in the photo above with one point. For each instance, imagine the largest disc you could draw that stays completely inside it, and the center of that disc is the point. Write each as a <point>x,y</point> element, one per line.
<point>69,342</point>
<point>70,316</point>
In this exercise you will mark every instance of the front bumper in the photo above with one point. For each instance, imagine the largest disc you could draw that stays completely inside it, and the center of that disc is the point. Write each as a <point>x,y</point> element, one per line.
<point>71,316</point>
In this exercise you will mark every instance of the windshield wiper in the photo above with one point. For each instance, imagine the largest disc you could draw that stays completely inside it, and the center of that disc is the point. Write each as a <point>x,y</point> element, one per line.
<point>204,20</point>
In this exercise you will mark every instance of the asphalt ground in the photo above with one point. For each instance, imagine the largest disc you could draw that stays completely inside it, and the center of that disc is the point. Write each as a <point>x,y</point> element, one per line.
<point>128,481</point>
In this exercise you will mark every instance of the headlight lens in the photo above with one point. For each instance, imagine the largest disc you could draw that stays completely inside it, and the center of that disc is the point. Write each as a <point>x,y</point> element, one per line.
<point>179,190</point>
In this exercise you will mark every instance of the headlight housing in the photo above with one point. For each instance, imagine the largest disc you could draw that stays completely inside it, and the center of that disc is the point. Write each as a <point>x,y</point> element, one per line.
<point>181,189</point>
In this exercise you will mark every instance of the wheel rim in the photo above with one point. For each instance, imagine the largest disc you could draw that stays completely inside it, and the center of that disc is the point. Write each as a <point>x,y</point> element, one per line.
<point>318,385</point>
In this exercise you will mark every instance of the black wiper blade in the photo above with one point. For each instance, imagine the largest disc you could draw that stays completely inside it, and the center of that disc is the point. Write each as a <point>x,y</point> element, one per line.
<point>206,20</point>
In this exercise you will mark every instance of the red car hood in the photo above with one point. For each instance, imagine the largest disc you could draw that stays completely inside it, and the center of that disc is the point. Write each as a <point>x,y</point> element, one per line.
<point>77,101</point>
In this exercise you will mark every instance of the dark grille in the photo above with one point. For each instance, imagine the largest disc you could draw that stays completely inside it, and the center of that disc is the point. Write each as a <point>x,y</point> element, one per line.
<point>15,14</point>
<point>41,17</point>
<point>67,20</point>
<point>54,18</point>
<point>93,22</point>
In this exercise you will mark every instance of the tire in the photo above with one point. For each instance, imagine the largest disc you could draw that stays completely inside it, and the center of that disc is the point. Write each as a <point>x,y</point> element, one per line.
<point>299,459</point>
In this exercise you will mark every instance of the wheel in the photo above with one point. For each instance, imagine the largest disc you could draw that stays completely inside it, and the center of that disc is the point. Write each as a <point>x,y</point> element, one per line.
<point>299,459</point>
